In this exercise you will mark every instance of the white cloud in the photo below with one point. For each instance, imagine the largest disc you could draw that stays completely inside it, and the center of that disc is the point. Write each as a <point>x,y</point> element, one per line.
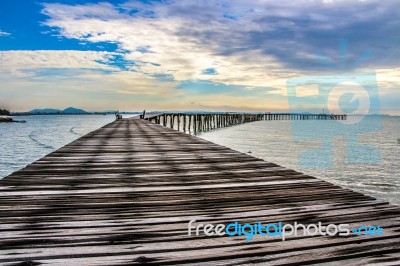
<point>23,63</point>
<point>3,33</point>
<point>53,59</point>
<point>169,49</point>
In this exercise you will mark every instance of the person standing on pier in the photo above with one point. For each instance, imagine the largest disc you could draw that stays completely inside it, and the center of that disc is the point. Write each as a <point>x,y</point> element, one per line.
<point>117,115</point>
<point>142,116</point>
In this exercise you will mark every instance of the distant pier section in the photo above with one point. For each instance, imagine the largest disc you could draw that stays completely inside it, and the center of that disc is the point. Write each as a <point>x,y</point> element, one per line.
<point>188,122</point>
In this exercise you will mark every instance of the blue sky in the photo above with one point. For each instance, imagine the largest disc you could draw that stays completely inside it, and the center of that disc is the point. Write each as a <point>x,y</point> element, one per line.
<point>193,55</point>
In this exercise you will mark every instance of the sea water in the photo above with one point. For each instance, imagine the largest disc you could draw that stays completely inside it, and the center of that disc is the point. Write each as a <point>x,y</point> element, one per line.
<point>24,143</point>
<point>273,141</point>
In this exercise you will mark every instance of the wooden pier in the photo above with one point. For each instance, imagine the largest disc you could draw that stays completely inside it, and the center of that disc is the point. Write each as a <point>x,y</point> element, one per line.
<point>187,122</point>
<point>124,194</point>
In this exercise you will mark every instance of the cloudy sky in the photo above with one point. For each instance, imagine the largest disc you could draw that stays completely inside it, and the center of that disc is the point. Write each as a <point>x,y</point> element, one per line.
<point>191,55</point>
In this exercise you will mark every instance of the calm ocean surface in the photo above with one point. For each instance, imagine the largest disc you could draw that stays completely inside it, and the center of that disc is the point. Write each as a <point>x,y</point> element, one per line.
<point>24,143</point>
<point>272,141</point>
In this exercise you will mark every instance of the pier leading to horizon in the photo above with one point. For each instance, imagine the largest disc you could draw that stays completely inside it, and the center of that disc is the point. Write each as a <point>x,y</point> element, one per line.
<point>196,123</point>
<point>125,193</point>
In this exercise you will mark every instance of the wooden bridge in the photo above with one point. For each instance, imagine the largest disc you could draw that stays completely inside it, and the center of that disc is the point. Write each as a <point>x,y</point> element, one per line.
<point>196,123</point>
<point>124,194</point>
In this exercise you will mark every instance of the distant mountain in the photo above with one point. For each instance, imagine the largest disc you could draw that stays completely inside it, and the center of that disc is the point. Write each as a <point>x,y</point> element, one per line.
<point>69,110</point>
<point>72,110</point>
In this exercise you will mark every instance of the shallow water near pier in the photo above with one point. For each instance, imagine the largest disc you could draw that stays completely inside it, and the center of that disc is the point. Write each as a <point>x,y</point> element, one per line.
<point>22,144</point>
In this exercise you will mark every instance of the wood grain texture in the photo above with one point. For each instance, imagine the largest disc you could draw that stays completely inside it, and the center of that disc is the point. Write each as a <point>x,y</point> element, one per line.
<point>124,194</point>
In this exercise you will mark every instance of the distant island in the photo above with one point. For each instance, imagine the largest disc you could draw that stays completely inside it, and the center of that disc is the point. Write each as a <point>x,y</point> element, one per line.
<point>67,111</point>
<point>4,112</point>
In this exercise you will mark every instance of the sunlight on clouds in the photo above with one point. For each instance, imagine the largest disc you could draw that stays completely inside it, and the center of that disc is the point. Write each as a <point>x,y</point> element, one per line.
<point>253,47</point>
<point>388,80</point>
<point>223,102</point>
<point>71,76</point>
<point>171,47</point>
<point>53,59</point>
<point>170,39</point>
<point>93,89</point>
<point>307,90</point>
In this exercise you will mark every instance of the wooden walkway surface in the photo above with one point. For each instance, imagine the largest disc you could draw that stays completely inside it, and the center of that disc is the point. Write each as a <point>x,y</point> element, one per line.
<point>124,194</point>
